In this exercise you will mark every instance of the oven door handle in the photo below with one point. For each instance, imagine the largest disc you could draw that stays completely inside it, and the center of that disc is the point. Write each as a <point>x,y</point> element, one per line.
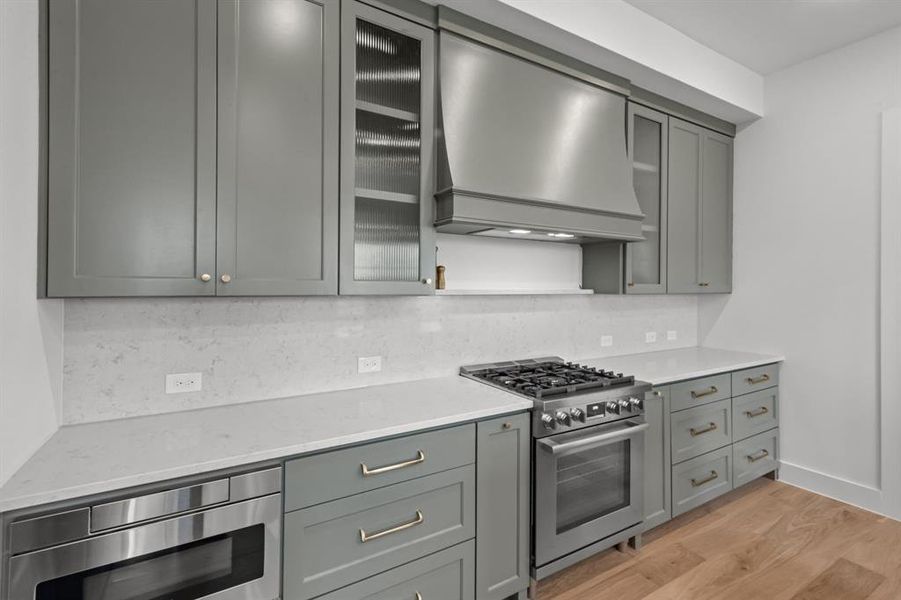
<point>555,447</point>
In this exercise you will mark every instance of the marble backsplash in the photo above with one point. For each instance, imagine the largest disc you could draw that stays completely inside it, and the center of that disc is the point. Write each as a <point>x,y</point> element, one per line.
<point>117,352</point>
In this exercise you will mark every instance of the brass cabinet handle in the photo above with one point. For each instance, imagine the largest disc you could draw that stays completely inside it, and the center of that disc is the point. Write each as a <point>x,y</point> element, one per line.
<point>761,455</point>
<point>368,537</point>
<point>225,278</point>
<point>712,390</point>
<point>699,482</point>
<point>205,277</point>
<point>756,413</point>
<point>755,380</point>
<point>367,472</point>
<point>696,432</point>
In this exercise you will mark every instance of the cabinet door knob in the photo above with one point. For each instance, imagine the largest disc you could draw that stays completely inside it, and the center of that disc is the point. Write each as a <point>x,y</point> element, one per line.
<point>507,425</point>
<point>705,284</point>
<point>427,281</point>
<point>205,277</point>
<point>225,278</point>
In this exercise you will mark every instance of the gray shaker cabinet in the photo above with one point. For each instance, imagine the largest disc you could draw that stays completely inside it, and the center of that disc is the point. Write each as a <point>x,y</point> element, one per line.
<point>700,210</point>
<point>278,147</point>
<point>131,147</point>
<point>387,238</point>
<point>658,472</point>
<point>193,147</point>
<point>502,507</point>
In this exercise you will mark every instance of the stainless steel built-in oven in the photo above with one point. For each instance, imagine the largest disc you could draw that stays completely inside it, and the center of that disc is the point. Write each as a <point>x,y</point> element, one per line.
<point>216,540</point>
<point>588,487</point>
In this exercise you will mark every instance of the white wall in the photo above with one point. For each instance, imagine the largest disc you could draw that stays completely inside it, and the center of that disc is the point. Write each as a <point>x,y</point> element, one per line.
<point>30,330</point>
<point>807,199</point>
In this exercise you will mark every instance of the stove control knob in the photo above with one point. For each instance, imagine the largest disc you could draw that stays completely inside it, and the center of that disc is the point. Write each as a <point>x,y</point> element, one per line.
<point>548,421</point>
<point>577,414</point>
<point>613,407</point>
<point>624,404</point>
<point>563,418</point>
<point>636,403</point>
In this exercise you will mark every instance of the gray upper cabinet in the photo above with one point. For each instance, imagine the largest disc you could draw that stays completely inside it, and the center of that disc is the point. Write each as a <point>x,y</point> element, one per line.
<point>700,210</point>
<point>277,214</point>
<point>503,507</point>
<point>387,238</point>
<point>131,147</point>
<point>645,262</point>
<point>193,147</point>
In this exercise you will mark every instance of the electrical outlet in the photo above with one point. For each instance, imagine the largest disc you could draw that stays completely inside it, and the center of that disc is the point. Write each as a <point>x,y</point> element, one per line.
<point>369,364</point>
<point>650,337</point>
<point>179,383</point>
<point>672,335</point>
<point>606,341</point>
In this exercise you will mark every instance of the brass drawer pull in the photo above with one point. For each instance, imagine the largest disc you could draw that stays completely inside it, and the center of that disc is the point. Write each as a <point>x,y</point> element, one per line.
<point>368,537</point>
<point>759,456</point>
<point>713,389</point>
<point>755,380</point>
<point>367,472</point>
<point>696,432</point>
<point>699,482</point>
<point>756,413</point>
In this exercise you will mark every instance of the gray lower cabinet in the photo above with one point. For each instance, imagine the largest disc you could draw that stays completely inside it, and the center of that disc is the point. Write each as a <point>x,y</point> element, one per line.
<point>387,237</point>
<point>755,456</point>
<point>445,575</point>
<point>701,479</point>
<point>277,214</point>
<point>700,210</point>
<point>338,543</point>
<point>701,429</point>
<point>657,466</point>
<point>503,507</point>
<point>192,147</point>
<point>131,147</point>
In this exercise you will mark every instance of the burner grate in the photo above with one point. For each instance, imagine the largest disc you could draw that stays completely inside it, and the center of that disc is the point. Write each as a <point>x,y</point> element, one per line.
<point>546,379</point>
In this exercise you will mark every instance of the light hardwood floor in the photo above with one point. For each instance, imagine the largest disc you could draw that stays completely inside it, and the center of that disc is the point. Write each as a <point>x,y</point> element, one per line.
<point>766,541</point>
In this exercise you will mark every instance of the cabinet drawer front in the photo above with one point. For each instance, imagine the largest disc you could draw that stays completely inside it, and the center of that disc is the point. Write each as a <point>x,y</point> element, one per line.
<point>696,392</point>
<point>325,547</point>
<point>323,477</point>
<point>752,380</point>
<point>755,456</point>
<point>755,413</point>
<point>445,575</point>
<point>702,429</point>
<point>701,479</point>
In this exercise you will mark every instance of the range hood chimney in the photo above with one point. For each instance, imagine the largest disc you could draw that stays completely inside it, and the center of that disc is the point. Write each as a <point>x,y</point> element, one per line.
<point>528,151</point>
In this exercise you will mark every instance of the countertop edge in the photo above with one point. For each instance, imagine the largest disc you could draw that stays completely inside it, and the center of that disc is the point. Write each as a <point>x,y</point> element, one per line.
<point>123,483</point>
<point>717,370</point>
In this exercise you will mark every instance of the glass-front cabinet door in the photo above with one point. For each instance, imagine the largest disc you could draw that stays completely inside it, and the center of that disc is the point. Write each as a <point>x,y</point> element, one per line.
<point>645,268</point>
<point>387,243</point>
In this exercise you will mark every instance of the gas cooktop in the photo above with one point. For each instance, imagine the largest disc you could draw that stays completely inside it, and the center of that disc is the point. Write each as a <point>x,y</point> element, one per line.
<point>542,378</point>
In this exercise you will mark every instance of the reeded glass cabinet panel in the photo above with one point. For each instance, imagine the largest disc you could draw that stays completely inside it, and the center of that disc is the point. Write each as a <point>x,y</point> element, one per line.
<point>646,261</point>
<point>387,243</point>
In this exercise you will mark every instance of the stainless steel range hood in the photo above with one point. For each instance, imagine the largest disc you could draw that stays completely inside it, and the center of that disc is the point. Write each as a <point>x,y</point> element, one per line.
<point>526,148</point>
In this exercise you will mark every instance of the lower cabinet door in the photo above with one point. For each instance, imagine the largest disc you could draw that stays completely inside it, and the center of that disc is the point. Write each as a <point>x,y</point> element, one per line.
<point>755,456</point>
<point>657,472</point>
<point>701,479</point>
<point>502,507</point>
<point>332,545</point>
<point>445,575</point>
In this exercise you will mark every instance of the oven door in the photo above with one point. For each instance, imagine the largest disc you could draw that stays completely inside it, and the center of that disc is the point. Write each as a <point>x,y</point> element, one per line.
<point>588,486</point>
<point>226,553</point>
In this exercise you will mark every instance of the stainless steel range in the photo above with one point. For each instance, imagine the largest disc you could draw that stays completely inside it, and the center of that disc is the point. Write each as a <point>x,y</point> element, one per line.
<point>588,455</point>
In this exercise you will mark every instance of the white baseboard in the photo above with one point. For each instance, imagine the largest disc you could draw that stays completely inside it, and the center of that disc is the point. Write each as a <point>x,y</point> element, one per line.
<point>850,492</point>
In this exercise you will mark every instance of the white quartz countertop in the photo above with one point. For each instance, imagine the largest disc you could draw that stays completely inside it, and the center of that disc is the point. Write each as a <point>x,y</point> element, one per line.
<point>92,458</point>
<point>668,366</point>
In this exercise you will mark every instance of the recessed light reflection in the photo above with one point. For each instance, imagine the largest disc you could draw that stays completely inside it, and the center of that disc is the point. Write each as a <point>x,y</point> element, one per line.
<point>521,231</point>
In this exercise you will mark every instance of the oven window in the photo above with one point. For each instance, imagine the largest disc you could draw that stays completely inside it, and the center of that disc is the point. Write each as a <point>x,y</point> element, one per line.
<point>592,483</point>
<point>186,572</point>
